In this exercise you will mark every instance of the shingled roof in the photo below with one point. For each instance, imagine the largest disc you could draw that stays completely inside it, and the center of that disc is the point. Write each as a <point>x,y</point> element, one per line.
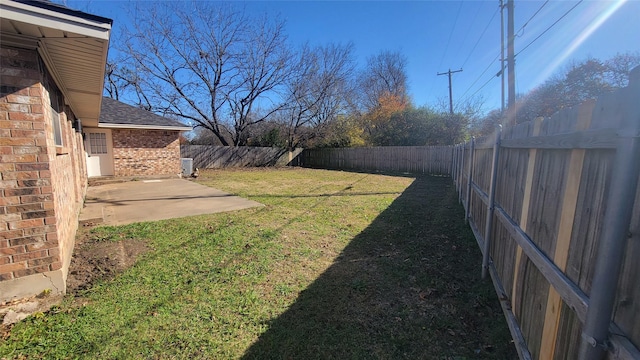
<point>117,114</point>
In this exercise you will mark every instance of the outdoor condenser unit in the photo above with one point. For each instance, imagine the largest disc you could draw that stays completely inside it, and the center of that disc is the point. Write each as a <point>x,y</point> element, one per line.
<point>187,166</point>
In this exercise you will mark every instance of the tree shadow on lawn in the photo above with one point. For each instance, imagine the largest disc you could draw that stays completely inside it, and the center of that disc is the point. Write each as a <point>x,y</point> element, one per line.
<point>408,286</point>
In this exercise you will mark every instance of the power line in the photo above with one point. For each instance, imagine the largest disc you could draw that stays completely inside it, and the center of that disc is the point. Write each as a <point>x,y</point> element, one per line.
<point>481,74</point>
<point>549,28</point>
<point>480,38</point>
<point>451,34</point>
<point>531,18</point>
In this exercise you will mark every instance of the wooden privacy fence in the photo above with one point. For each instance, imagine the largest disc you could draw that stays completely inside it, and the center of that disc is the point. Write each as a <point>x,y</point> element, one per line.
<point>216,157</point>
<point>435,160</point>
<point>555,207</point>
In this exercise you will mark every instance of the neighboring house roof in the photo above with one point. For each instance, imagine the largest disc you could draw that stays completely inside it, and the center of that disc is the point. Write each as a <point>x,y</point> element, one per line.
<point>116,114</point>
<point>72,44</point>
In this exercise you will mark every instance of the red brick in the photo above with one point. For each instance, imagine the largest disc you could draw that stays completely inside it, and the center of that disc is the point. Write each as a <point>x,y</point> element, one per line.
<point>29,150</point>
<point>29,167</point>
<point>10,217</point>
<point>34,183</point>
<point>27,118</point>
<point>5,260</point>
<point>12,267</point>
<point>14,107</point>
<point>30,256</point>
<point>4,243</point>
<point>22,191</point>
<point>23,125</point>
<point>46,189</point>
<point>23,99</point>
<point>54,252</point>
<point>52,236</point>
<point>7,276</point>
<point>27,199</point>
<point>22,224</point>
<point>9,200</point>
<point>37,109</point>
<point>25,175</point>
<point>37,214</point>
<point>45,174</point>
<point>8,184</point>
<point>43,158</point>
<point>7,167</point>
<point>50,220</point>
<point>31,271</point>
<point>27,133</point>
<point>5,132</point>
<point>27,240</point>
<point>40,230</point>
<point>16,141</point>
<point>56,266</point>
<point>43,261</point>
<point>12,250</point>
<point>42,245</point>
<point>38,125</point>
<point>24,207</point>
<point>6,150</point>
<point>47,205</point>
<point>35,90</point>
<point>22,158</point>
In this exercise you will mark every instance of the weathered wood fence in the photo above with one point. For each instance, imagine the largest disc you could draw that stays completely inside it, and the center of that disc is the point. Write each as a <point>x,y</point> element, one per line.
<point>216,157</point>
<point>435,160</point>
<point>555,206</point>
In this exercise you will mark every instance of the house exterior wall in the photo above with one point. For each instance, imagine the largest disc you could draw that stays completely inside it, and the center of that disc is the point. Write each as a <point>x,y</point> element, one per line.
<point>141,152</point>
<point>42,185</point>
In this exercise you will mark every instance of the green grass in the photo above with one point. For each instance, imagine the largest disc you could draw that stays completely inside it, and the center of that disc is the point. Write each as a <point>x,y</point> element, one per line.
<point>336,265</point>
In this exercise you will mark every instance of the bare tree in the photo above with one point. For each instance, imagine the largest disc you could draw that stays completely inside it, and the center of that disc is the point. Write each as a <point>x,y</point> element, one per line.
<point>385,75</point>
<point>209,64</point>
<point>317,91</point>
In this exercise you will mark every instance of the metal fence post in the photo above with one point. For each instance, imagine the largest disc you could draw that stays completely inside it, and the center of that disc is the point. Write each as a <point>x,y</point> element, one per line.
<point>624,182</point>
<point>470,178</point>
<point>490,205</point>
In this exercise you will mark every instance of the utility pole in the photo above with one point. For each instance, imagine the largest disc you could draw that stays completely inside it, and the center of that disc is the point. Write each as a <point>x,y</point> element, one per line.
<point>511,104</point>
<point>502,57</point>
<point>450,91</point>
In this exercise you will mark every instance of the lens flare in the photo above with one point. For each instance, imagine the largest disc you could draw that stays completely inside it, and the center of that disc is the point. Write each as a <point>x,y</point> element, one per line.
<point>594,24</point>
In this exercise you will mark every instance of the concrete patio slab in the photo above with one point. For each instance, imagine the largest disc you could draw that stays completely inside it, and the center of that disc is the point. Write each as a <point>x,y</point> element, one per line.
<point>157,199</point>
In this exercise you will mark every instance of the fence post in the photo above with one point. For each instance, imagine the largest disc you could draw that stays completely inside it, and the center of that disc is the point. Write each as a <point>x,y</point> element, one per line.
<point>470,179</point>
<point>464,144</point>
<point>624,182</point>
<point>490,205</point>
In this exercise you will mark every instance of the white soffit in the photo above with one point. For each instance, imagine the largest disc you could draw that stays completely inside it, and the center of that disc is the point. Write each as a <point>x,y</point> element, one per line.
<point>74,49</point>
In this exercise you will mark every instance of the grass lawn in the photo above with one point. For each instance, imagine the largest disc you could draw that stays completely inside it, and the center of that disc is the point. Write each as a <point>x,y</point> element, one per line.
<point>336,265</point>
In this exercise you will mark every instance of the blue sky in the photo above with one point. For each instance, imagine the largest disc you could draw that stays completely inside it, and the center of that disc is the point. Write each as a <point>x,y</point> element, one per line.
<point>439,35</point>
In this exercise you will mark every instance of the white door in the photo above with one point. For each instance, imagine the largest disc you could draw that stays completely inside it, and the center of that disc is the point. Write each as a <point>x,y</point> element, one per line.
<point>98,144</point>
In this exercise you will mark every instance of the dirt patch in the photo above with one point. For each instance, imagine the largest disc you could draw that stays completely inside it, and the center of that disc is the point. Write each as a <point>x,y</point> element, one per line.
<point>100,260</point>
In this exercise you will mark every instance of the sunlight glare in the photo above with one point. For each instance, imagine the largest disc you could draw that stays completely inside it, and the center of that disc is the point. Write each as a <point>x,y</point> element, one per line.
<point>596,22</point>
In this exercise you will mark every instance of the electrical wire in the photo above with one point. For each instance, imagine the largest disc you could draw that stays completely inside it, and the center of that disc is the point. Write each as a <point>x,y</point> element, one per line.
<point>549,28</point>
<point>480,38</point>
<point>451,34</point>
<point>481,74</point>
<point>531,18</point>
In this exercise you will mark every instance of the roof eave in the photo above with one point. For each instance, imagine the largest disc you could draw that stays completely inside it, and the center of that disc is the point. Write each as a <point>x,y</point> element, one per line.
<point>144,127</point>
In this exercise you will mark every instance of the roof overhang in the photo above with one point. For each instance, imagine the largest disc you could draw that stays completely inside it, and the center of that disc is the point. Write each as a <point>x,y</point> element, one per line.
<point>73,45</point>
<point>144,127</point>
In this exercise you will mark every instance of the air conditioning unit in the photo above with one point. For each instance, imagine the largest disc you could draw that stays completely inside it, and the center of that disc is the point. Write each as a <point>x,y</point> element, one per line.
<point>187,166</point>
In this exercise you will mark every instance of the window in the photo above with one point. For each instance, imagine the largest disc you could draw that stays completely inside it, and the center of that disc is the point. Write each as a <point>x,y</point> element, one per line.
<point>55,100</point>
<point>98,143</point>
<point>57,131</point>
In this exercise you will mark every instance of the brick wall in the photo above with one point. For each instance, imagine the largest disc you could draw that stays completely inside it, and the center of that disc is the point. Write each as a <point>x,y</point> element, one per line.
<point>138,152</point>
<point>41,185</point>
